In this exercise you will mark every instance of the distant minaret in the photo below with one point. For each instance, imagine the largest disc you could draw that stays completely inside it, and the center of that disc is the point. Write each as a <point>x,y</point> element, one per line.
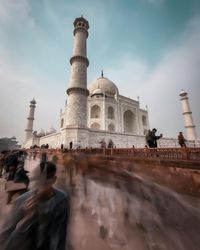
<point>187,114</point>
<point>76,114</point>
<point>29,127</point>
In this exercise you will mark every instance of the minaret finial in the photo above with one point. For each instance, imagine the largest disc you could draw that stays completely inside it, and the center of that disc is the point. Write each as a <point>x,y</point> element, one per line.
<point>102,73</point>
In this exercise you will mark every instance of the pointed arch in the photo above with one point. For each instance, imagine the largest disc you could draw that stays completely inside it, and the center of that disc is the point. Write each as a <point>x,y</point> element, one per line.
<point>111,113</point>
<point>111,127</point>
<point>95,111</point>
<point>95,126</point>
<point>129,121</point>
<point>144,120</point>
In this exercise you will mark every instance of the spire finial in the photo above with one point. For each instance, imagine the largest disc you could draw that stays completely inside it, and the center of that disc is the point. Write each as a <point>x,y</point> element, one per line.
<point>102,73</point>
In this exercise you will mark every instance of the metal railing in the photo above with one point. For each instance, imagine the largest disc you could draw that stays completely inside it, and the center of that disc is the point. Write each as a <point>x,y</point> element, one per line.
<point>185,153</point>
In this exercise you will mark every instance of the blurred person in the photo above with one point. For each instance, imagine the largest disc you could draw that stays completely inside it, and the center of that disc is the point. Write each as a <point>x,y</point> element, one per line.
<point>103,143</point>
<point>10,165</point>
<point>21,175</point>
<point>3,157</point>
<point>38,220</point>
<point>34,154</point>
<point>43,160</point>
<point>110,144</point>
<point>181,139</point>
<point>68,162</point>
<point>70,145</point>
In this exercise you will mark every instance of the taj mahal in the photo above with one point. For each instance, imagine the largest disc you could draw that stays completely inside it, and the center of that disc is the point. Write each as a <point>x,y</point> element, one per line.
<point>97,112</point>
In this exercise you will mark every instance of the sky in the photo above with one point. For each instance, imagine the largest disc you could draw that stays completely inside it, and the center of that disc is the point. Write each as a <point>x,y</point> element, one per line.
<point>148,48</point>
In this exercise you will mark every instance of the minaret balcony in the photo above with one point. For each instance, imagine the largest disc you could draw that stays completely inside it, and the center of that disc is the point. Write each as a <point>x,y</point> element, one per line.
<point>77,90</point>
<point>80,59</point>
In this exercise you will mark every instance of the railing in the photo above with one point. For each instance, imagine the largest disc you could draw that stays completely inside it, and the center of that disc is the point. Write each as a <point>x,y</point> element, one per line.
<point>190,154</point>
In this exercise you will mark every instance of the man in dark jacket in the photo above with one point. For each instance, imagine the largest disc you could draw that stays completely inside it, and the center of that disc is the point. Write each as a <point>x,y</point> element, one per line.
<point>181,139</point>
<point>152,138</point>
<point>38,220</point>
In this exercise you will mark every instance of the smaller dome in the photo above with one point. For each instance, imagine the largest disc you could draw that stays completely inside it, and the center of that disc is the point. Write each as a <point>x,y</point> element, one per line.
<point>51,131</point>
<point>97,92</point>
<point>41,133</point>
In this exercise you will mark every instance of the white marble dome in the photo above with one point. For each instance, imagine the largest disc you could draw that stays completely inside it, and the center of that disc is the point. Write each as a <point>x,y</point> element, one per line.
<point>41,133</point>
<point>51,131</point>
<point>105,85</point>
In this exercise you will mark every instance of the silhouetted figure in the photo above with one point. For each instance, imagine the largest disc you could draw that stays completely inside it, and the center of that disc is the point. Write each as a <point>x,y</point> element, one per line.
<point>21,175</point>
<point>110,144</point>
<point>151,138</point>
<point>181,140</point>
<point>61,146</point>
<point>43,160</point>
<point>103,143</point>
<point>71,145</point>
<point>34,154</point>
<point>10,167</point>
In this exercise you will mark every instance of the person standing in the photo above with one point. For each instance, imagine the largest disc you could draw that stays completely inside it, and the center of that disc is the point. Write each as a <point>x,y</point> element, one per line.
<point>152,138</point>
<point>70,145</point>
<point>181,139</point>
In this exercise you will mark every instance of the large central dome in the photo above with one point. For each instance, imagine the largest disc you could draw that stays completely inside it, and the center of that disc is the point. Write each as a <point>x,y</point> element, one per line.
<point>103,84</point>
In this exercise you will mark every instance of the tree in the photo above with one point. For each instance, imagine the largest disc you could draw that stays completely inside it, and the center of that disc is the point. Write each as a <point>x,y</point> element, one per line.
<point>9,143</point>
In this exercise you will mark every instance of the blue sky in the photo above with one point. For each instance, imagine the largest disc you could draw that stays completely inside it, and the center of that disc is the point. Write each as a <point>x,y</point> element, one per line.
<point>149,48</point>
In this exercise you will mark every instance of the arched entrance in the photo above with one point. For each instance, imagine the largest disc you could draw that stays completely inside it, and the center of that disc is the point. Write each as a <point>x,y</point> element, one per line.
<point>129,122</point>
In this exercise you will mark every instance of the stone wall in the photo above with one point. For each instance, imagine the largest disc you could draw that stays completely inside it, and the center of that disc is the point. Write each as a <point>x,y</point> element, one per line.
<point>54,140</point>
<point>91,138</point>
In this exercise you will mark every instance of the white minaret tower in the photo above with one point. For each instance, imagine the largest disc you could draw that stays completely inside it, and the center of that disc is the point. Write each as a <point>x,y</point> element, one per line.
<point>187,114</point>
<point>76,113</point>
<point>29,127</point>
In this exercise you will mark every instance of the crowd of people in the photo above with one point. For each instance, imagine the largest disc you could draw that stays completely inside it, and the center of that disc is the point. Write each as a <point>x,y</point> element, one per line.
<point>38,218</point>
<point>12,166</point>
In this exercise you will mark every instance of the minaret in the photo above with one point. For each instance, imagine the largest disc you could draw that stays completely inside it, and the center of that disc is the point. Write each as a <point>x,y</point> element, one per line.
<point>29,127</point>
<point>76,115</point>
<point>187,114</point>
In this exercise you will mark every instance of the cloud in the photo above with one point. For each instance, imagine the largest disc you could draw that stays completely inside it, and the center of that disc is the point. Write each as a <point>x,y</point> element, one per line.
<point>157,3</point>
<point>160,87</point>
<point>128,74</point>
<point>17,90</point>
<point>14,13</point>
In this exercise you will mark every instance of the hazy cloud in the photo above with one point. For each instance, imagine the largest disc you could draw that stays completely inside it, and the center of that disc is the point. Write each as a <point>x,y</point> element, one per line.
<point>159,87</point>
<point>158,84</point>
<point>157,3</point>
